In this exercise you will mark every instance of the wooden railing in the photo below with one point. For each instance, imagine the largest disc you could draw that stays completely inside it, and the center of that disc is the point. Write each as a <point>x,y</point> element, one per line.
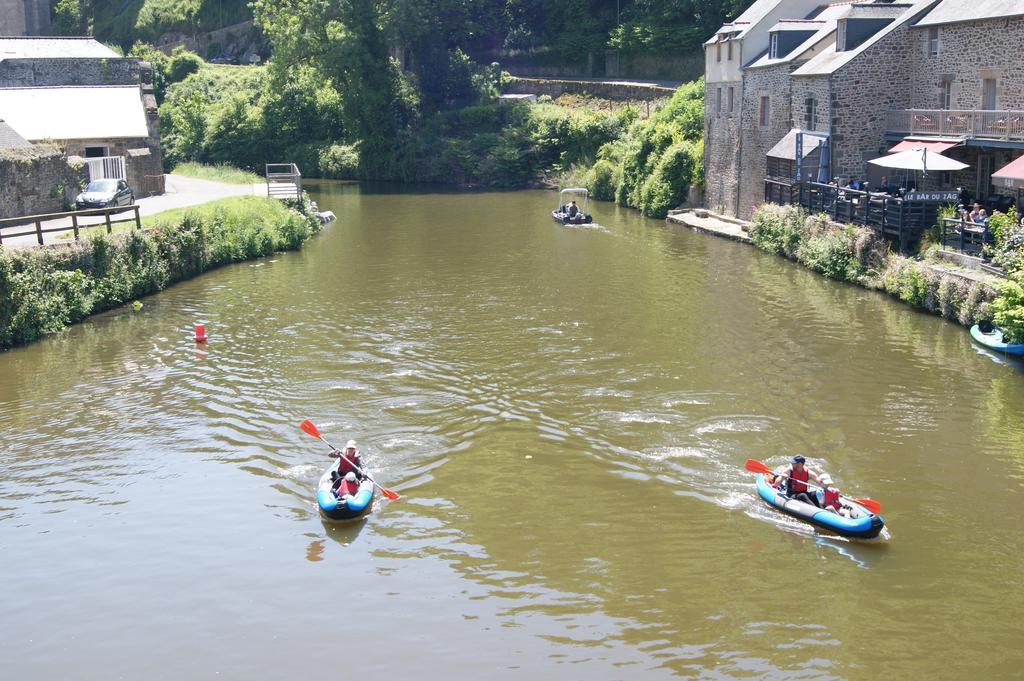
<point>1000,125</point>
<point>891,217</point>
<point>283,180</point>
<point>45,224</point>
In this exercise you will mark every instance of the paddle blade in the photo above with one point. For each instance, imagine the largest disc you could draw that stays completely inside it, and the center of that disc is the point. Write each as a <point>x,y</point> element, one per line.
<point>870,504</point>
<point>755,466</point>
<point>308,428</point>
<point>390,494</point>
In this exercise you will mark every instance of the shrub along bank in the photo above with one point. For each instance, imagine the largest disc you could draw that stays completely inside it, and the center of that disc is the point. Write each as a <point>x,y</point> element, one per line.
<point>856,255</point>
<point>43,290</point>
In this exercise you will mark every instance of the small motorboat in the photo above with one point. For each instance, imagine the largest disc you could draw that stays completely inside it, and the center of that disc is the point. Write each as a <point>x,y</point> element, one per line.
<point>344,499</point>
<point>568,213</point>
<point>862,523</point>
<point>992,337</point>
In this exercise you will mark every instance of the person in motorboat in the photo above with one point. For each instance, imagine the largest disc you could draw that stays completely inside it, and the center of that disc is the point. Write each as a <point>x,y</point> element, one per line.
<point>348,461</point>
<point>794,477</point>
<point>830,497</point>
<point>573,211</point>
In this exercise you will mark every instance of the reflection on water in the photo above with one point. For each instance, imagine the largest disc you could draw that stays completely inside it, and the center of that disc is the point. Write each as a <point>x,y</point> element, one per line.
<point>566,413</point>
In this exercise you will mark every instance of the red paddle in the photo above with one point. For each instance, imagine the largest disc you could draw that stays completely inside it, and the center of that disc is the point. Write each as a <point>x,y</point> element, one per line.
<point>755,466</point>
<point>308,428</point>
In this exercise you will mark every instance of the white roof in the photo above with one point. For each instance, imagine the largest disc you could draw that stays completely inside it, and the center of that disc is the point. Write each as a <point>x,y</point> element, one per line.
<point>31,47</point>
<point>74,113</point>
<point>824,25</point>
<point>957,11</point>
<point>829,61</point>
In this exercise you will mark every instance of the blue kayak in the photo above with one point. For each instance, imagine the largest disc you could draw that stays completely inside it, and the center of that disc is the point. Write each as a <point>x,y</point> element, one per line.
<point>862,524</point>
<point>993,340</point>
<point>343,503</point>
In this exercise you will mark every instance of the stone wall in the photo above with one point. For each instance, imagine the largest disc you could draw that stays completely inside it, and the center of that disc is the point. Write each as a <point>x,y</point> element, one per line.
<point>863,92</point>
<point>554,88</point>
<point>721,148</point>
<point>37,179</point>
<point>757,140</point>
<point>968,53</point>
<point>47,72</point>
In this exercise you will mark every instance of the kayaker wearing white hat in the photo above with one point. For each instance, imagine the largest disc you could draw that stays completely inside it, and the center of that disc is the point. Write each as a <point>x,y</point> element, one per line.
<point>830,496</point>
<point>348,460</point>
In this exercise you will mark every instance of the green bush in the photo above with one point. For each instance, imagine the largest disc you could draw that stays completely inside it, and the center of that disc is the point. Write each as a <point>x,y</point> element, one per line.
<point>1008,309</point>
<point>340,162</point>
<point>603,179</point>
<point>43,290</point>
<point>182,64</point>
<point>777,229</point>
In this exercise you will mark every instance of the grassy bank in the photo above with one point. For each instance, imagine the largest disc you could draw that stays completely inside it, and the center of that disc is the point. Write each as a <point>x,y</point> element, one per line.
<point>43,290</point>
<point>220,172</point>
<point>857,255</point>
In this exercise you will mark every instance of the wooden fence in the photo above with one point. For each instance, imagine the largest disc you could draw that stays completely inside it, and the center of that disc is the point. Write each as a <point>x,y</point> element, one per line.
<point>47,223</point>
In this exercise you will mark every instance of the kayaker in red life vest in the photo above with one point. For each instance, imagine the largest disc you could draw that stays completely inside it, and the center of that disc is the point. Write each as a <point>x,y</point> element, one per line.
<point>831,501</point>
<point>351,453</point>
<point>795,475</point>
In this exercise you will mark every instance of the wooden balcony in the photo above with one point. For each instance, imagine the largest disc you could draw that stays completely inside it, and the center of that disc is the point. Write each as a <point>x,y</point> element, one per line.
<point>968,124</point>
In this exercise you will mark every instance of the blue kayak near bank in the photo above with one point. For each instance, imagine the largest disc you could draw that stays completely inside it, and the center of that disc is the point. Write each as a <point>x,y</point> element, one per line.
<point>993,340</point>
<point>356,501</point>
<point>862,525</point>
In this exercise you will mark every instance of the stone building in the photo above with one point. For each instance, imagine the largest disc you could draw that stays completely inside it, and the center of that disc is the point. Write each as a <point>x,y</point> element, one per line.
<point>88,101</point>
<point>819,90</point>
<point>24,17</point>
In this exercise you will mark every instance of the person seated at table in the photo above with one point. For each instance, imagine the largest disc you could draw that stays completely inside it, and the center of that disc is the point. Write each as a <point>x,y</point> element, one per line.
<point>982,218</point>
<point>855,185</point>
<point>965,215</point>
<point>976,212</point>
<point>886,186</point>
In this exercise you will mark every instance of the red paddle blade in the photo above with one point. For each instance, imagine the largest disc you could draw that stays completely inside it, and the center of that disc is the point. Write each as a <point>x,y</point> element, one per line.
<point>393,496</point>
<point>755,466</point>
<point>870,504</point>
<point>308,428</point>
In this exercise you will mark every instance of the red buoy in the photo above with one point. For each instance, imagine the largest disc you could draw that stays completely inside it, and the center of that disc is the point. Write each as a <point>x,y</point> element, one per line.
<point>200,333</point>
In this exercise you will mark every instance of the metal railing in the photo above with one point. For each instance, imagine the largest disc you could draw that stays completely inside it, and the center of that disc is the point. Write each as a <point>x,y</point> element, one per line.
<point>104,167</point>
<point>997,125</point>
<point>284,180</point>
<point>77,223</point>
<point>966,237</point>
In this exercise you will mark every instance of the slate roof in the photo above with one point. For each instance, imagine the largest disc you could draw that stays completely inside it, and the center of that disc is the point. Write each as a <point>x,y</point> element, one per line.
<point>825,23</point>
<point>74,113</point>
<point>829,61</point>
<point>958,11</point>
<point>38,47</point>
<point>9,139</point>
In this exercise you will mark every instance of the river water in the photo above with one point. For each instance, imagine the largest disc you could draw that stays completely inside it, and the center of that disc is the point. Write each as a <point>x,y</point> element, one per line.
<point>566,412</point>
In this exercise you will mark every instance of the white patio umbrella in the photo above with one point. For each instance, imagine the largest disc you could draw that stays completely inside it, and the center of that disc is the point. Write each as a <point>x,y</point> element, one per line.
<point>918,159</point>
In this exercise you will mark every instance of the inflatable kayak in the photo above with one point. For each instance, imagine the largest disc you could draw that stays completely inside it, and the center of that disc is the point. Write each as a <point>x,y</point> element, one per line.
<point>862,524</point>
<point>992,338</point>
<point>351,500</point>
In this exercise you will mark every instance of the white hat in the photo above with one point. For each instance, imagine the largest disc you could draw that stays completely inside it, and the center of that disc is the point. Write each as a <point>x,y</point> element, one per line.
<point>350,476</point>
<point>826,479</point>
<point>351,444</point>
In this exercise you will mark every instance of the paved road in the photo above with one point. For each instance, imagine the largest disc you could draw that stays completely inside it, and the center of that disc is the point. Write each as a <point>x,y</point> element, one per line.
<point>180,192</point>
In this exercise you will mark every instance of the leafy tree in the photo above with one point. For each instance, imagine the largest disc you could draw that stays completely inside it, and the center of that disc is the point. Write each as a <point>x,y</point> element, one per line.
<point>67,18</point>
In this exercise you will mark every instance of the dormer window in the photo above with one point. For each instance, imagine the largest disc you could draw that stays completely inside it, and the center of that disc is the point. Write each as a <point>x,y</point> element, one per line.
<point>841,36</point>
<point>773,50</point>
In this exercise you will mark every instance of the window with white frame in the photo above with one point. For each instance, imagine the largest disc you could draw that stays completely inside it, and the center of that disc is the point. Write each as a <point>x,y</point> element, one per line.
<point>946,94</point>
<point>933,41</point>
<point>773,50</point>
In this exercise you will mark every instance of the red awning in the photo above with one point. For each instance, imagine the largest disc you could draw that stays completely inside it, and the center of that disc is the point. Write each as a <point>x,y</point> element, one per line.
<point>937,146</point>
<point>1011,175</point>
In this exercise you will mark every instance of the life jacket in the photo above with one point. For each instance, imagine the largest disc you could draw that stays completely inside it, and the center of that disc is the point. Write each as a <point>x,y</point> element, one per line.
<point>831,498</point>
<point>345,467</point>
<point>346,487</point>
<point>795,483</point>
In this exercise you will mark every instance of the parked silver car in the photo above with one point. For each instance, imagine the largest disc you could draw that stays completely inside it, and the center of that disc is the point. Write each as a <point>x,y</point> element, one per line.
<point>104,193</point>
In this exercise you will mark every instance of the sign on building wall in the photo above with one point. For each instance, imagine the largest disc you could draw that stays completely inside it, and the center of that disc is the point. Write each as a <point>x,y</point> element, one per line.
<point>933,196</point>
